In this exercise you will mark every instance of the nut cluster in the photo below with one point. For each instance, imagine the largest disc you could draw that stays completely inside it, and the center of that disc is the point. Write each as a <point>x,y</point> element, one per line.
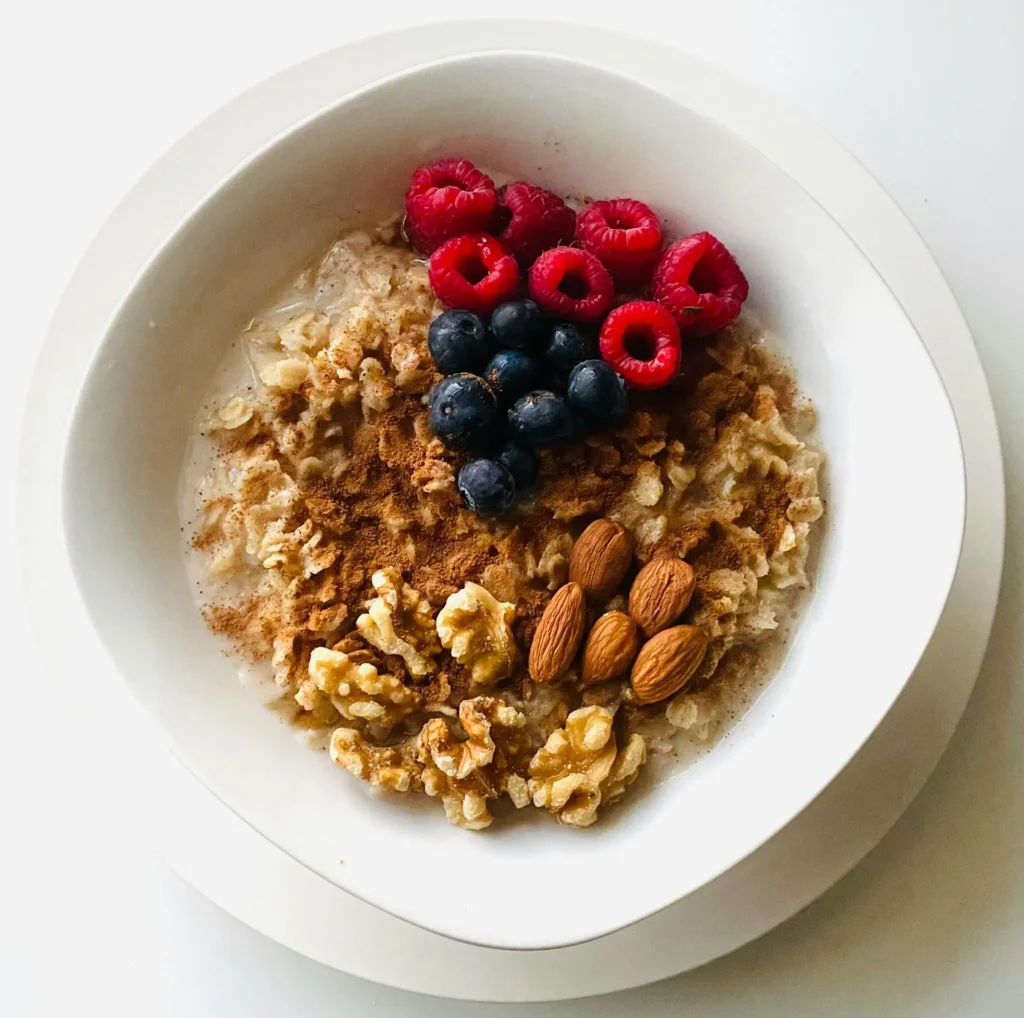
<point>658,596</point>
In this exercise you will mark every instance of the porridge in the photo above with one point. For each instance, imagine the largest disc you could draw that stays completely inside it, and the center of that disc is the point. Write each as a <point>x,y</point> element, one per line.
<point>520,549</point>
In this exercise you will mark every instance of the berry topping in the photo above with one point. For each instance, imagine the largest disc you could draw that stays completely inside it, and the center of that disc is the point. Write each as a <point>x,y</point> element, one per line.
<point>572,284</point>
<point>597,393</point>
<point>487,487</point>
<point>529,220</point>
<point>518,324</point>
<point>640,340</point>
<point>699,281</point>
<point>510,373</point>
<point>625,235</point>
<point>521,463</point>
<point>462,412</point>
<point>473,272</point>
<point>569,344</point>
<point>540,418</point>
<point>445,199</point>
<point>458,341</point>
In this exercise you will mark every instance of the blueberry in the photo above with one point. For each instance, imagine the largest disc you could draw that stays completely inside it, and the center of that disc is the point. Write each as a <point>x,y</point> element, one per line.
<point>568,344</point>
<point>597,393</point>
<point>540,418</point>
<point>463,412</point>
<point>458,341</point>
<point>487,487</point>
<point>518,325</point>
<point>521,463</point>
<point>510,373</point>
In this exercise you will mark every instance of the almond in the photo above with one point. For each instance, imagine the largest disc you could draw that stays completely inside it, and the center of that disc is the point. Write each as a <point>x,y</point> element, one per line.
<point>600,558</point>
<point>667,662</point>
<point>660,593</point>
<point>610,648</point>
<point>558,634</point>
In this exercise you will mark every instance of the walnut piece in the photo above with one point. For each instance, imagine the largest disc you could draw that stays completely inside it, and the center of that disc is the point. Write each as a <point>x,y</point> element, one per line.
<point>626,768</point>
<point>466,773</point>
<point>356,689</point>
<point>392,767</point>
<point>568,774</point>
<point>477,628</point>
<point>399,620</point>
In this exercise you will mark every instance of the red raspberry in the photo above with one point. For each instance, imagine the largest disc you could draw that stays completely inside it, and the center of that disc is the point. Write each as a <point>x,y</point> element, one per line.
<point>641,341</point>
<point>570,283</point>
<point>626,235</point>
<point>529,220</point>
<point>446,199</point>
<point>701,284</point>
<point>473,272</point>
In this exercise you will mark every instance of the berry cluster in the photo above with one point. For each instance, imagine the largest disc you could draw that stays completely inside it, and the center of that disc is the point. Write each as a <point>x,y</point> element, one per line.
<point>514,384</point>
<point>533,376</point>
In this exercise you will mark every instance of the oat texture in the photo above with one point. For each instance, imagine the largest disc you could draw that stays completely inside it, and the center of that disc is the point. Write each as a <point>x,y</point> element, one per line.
<point>335,548</point>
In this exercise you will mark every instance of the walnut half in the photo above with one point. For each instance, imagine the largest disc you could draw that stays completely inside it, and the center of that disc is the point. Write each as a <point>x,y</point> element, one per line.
<point>579,766</point>
<point>357,690</point>
<point>391,767</point>
<point>399,620</point>
<point>466,773</point>
<point>477,628</point>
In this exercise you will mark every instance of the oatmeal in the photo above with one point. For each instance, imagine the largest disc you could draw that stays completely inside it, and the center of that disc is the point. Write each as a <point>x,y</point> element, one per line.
<point>401,596</point>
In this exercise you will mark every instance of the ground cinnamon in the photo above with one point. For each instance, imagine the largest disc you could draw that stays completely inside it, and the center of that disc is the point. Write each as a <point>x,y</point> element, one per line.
<point>377,514</point>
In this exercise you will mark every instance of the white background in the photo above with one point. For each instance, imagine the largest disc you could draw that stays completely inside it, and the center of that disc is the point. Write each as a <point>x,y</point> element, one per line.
<point>929,94</point>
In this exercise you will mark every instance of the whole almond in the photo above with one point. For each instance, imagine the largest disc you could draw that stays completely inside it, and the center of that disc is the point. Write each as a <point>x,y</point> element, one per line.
<point>660,593</point>
<point>610,648</point>
<point>600,558</point>
<point>558,634</point>
<point>667,662</point>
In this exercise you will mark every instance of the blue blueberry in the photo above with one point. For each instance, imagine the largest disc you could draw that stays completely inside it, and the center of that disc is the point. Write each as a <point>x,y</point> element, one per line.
<point>540,418</point>
<point>458,341</point>
<point>521,463</point>
<point>487,487</point>
<point>518,325</point>
<point>596,393</point>
<point>510,373</point>
<point>568,344</point>
<point>463,412</point>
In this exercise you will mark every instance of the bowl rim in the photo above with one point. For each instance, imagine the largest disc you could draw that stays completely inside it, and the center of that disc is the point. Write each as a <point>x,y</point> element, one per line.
<point>181,753</point>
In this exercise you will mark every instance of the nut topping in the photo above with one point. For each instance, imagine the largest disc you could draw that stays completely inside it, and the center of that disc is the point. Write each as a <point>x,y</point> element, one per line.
<point>610,649</point>
<point>558,634</point>
<point>476,627</point>
<point>667,662</point>
<point>600,558</point>
<point>660,593</point>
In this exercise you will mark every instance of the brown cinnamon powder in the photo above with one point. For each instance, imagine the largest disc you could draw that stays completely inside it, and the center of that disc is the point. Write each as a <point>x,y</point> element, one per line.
<point>375,514</point>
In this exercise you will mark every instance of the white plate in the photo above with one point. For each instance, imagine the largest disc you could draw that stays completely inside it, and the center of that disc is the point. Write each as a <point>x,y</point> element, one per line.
<point>743,903</point>
<point>884,420</point>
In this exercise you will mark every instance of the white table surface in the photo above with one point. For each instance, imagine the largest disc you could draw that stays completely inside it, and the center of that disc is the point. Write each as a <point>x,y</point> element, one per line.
<point>929,94</point>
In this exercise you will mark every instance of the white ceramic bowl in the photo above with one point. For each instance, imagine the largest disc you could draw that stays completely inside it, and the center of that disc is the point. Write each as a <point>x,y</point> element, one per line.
<point>896,495</point>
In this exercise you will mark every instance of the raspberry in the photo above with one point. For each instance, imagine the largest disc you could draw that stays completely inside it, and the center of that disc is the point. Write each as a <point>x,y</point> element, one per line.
<point>699,281</point>
<point>572,284</point>
<point>626,235</point>
<point>446,199</point>
<point>473,272</point>
<point>641,341</point>
<point>529,220</point>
